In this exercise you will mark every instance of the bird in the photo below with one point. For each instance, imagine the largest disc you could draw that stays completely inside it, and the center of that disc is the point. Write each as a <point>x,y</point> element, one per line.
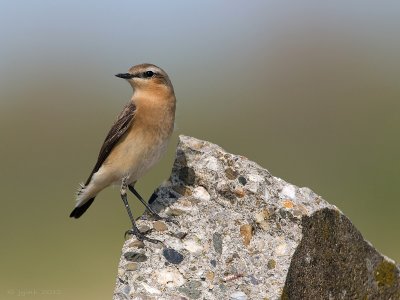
<point>136,141</point>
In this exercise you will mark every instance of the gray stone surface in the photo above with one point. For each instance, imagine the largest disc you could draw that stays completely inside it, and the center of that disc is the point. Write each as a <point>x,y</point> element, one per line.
<point>245,234</point>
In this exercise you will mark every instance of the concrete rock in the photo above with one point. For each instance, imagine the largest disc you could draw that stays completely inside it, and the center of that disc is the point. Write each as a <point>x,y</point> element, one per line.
<point>245,234</point>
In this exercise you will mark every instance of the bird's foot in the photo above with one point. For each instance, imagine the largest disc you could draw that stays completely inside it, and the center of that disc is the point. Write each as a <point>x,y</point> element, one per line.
<point>140,236</point>
<point>157,217</point>
<point>170,220</point>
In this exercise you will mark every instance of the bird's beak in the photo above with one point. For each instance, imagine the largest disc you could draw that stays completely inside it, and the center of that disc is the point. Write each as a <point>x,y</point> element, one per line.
<point>125,75</point>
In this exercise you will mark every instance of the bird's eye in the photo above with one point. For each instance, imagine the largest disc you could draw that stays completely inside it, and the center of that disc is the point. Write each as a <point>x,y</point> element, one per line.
<point>148,74</point>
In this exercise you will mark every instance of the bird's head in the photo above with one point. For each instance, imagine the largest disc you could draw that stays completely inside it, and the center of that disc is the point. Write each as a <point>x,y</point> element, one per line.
<point>147,77</point>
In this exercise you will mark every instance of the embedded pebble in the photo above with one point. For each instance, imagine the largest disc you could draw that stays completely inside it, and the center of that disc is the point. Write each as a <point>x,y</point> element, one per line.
<point>136,244</point>
<point>174,212</point>
<point>126,289</point>
<point>254,280</point>
<point>281,249</point>
<point>172,256</point>
<point>239,295</point>
<point>144,229</point>
<point>231,173</point>
<point>288,191</point>
<point>192,246</point>
<point>254,182</point>
<point>255,177</point>
<point>213,262</point>
<point>217,242</point>
<point>195,144</point>
<point>191,290</point>
<point>179,235</point>
<point>182,190</point>
<point>246,231</point>
<point>121,272</point>
<point>239,192</point>
<point>135,256</point>
<point>287,204</point>
<point>267,195</point>
<point>159,226</point>
<point>169,277</point>
<point>200,193</point>
<point>308,194</point>
<point>271,264</point>
<point>132,266</point>
<point>261,219</point>
<point>150,289</point>
<point>242,180</point>
<point>210,275</point>
<point>212,163</point>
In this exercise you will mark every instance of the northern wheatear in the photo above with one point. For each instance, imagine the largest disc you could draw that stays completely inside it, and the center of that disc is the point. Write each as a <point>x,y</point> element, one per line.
<point>135,142</point>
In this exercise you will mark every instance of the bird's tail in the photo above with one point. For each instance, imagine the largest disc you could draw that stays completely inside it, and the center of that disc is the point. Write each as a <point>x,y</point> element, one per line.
<point>83,201</point>
<point>80,210</point>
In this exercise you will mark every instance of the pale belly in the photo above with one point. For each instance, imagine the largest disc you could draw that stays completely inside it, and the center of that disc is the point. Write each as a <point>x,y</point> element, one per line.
<point>138,165</point>
<point>131,159</point>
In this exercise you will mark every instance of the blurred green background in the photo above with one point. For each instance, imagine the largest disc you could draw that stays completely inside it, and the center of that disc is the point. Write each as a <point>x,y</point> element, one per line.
<point>308,90</point>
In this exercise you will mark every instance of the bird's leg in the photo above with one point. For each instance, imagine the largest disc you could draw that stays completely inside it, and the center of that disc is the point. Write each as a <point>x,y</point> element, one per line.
<point>133,190</point>
<point>156,215</point>
<point>135,231</point>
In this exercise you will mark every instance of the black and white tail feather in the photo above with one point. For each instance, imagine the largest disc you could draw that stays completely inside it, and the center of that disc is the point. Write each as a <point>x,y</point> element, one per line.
<point>79,210</point>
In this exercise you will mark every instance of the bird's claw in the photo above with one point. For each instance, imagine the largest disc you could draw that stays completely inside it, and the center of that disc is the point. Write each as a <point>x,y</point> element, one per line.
<point>157,217</point>
<point>140,236</point>
<point>170,220</point>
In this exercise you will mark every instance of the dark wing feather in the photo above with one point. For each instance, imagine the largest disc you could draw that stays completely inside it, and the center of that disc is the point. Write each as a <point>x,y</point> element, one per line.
<point>121,125</point>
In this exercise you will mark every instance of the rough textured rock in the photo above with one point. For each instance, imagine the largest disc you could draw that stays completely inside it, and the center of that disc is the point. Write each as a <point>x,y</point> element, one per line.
<point>245,234</point>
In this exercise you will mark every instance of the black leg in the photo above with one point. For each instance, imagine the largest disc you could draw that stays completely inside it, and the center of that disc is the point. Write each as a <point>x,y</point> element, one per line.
<point>135,231</point>
<point>156,215</point>
<point>133,190</point>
